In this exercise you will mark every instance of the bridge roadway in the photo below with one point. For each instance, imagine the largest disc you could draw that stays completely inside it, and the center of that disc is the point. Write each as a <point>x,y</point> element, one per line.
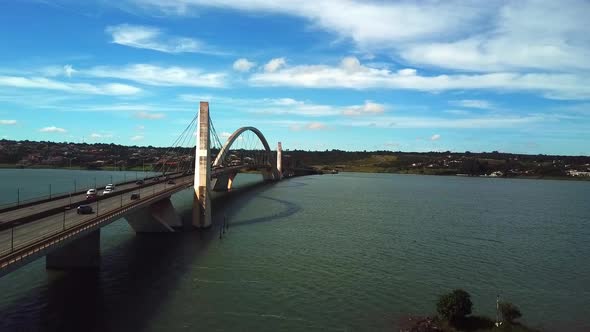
<point>25,240</point>
<point>79,198</point>
<point>56,203</point>
<point>27,234</point>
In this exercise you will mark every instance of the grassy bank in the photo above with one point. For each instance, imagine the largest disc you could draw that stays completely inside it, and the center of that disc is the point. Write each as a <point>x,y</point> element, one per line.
<point>392,164</point>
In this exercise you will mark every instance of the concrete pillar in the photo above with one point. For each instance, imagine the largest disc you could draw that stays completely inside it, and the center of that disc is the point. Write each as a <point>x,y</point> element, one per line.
<point>202,184</point>
<point>268,174</point>
<point>82,253</point>
<point>280,161</point>
<point>230,180</point>
<point>223,182</point>
<point>159,217</point>
<point>219,183</point>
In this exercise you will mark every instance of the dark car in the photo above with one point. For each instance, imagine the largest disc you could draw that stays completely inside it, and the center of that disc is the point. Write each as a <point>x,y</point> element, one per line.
<point>134,196</point>
<point>171,182</point>
<point>139,182</point>
<point>84,209</point>
<point>156,179</point>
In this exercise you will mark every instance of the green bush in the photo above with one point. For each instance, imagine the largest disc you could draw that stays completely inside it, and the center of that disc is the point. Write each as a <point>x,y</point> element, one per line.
<point>455,305</point>
<point>510,312</point>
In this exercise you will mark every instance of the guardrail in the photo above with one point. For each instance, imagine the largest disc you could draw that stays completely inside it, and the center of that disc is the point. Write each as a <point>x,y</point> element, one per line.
<point>60,195</point>
<point>61,209</point>
<point>30,248</point>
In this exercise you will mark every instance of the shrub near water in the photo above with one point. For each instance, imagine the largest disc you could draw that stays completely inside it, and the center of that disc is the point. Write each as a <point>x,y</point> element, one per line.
<point>509,311</point>
<point>455,305</point>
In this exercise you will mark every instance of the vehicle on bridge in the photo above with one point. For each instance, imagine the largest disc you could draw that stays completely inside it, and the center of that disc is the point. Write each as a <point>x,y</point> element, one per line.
<point>91,194</point>
<point>107,191</point>
<point>139,182</point>
<point>84,209</point>
<point>110,186</point>
<point>134,196</point>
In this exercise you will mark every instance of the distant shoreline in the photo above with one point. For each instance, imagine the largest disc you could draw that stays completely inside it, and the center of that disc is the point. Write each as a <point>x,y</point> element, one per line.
<point>560,178</point>
<point>74,168</point>
<point>564,178</point>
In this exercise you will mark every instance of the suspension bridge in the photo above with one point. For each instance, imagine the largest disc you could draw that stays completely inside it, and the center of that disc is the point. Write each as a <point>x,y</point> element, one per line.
<point>55,228</point>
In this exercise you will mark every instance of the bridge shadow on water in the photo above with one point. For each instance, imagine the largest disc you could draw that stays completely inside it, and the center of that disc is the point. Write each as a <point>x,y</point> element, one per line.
<point>227,205</point>
<point>137,274</point>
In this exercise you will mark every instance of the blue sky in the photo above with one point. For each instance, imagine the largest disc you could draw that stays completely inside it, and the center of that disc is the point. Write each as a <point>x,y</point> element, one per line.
<point>511,76</point>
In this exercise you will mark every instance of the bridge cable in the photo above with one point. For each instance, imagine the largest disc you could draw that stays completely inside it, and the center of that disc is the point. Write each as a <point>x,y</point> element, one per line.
<point>176,144</point>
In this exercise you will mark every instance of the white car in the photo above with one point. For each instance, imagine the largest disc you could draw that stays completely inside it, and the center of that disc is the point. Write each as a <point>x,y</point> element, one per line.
<point>91,194</point>
<point>107,191</point>
<point>110,186</point>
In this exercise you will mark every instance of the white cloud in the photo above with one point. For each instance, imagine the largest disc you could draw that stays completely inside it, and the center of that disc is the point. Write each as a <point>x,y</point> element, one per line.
<point>52,129</point>
<point>225,134</point>
<point>152,38</point>
<point>8,122</point>
<point>137,138</point>
<point>473,103</point>
<point>115,89</point>
<point>149,116</point>
<point>368,108</point>
<point>307,126</point>
<point>407,72</point>
<point>435,137</point>
<point>374,23</point>
<point>140,127</point>
<point>274,64</point>
<point>351,64</point>
<point>243,65</point>
<point>97,135</point>
<point>397,122</point>
<point>467,35</point>
<point>286,101</point>
<point>457,112</point>
<point>69,70</point>
<point>281,106</point>
<point>522,35</point>
<point>160,76</point>
<point>270,105</point>
<point>315,126</point>
<point>550,85</point>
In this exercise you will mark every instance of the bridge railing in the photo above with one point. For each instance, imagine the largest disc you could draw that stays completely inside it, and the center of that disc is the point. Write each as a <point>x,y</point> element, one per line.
<point>16,235</point>
<point>24,202</point>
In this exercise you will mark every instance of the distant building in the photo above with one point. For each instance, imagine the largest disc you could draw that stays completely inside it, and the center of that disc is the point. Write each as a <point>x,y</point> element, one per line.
<point>573,172</point>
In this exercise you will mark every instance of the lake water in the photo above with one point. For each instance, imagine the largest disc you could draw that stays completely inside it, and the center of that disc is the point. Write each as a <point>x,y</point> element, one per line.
<point>334,252</point>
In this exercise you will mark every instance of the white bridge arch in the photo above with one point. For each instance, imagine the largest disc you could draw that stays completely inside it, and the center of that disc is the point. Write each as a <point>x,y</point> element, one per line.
<point>226,147</point>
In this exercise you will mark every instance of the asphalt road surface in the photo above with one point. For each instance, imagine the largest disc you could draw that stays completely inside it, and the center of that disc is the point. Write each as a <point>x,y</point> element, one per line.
<point>29,233</point>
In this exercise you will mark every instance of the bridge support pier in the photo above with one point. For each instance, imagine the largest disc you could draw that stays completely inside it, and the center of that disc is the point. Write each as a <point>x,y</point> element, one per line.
<point>202,183</point>
<point>268,175</point>
<point>159,217</point>
<point>82,253</point>
<point>223,182</point>
<point>279,161</point>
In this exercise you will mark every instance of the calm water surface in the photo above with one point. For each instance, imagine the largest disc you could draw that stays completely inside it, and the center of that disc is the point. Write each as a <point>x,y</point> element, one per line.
<point>332,252</point>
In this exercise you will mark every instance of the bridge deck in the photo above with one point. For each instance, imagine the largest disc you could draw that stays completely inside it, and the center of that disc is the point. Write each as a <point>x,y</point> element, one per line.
<point>24,240</point>
<point>32,209</point>
<point>28,231</point>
